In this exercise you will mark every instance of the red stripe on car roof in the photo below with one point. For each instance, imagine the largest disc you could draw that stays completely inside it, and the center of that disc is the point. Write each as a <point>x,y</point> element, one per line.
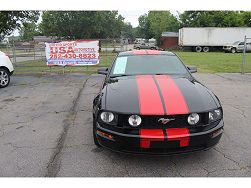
<point>153,52</point>
<point>146,52</point>
<point>139,52</point>
<point>149,97</point>
<point>174,100</point>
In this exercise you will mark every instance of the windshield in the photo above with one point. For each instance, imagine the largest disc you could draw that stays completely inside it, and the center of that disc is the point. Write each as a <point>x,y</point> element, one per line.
<point>148,64</point>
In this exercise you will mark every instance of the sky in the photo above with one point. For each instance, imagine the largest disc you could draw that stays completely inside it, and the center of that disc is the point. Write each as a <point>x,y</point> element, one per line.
<point>132,16</point>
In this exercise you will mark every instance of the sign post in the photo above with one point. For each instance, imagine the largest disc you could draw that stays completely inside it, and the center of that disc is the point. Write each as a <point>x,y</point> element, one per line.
<point>244,55</point>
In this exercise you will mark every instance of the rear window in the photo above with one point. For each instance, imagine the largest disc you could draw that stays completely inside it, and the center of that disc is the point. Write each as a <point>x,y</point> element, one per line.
<point>148,64</point>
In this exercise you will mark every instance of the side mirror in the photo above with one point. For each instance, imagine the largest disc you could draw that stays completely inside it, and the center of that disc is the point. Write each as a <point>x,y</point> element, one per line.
<point>192,69</point>
<point>103,70</point>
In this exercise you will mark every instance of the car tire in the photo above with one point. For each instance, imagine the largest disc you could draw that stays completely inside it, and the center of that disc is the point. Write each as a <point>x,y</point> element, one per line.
<point>198,48</point>
<point>206,49</point>
<point>94,131</point>
<point>4,77</point>
<point>138,48</point>
<point>152,48</point>
<point>233,50</point>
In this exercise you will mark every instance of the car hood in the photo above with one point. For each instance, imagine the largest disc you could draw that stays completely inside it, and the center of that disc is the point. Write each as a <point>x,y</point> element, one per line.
<point>156,95</point>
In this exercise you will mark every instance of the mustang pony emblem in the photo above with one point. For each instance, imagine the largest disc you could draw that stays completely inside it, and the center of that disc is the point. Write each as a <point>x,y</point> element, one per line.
<point>165,120</point>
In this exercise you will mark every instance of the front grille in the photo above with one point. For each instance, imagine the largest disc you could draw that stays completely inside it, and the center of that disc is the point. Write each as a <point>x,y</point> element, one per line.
<point>153,121</point>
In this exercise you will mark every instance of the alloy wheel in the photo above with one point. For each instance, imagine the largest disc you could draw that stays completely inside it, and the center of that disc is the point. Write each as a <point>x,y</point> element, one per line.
<point>4,78</point>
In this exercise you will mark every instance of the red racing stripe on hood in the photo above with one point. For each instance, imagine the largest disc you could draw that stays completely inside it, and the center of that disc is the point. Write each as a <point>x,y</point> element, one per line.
<point>149,97</point>
<point>174,100</point>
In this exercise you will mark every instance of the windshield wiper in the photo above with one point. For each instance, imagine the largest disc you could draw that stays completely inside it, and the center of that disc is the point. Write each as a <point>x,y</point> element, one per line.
<point>167,74</point>
<point>120,75</point>
<point>160,74</point>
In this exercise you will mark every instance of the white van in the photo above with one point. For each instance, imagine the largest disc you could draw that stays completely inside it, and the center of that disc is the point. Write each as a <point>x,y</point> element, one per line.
<point>6,70</point>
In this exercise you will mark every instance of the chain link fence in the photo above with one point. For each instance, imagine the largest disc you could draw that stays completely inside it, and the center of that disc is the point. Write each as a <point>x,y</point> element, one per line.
<point>30,58</point>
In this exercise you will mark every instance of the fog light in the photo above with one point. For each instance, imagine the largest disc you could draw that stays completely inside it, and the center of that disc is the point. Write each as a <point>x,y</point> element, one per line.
<point>193,119</point>
<point>134,120</point>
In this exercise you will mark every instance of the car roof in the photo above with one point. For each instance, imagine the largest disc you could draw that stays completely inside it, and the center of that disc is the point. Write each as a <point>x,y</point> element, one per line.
<point>145,52</point>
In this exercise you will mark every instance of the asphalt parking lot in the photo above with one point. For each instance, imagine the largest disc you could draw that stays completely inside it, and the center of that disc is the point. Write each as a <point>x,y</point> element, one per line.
<point>46,130</point>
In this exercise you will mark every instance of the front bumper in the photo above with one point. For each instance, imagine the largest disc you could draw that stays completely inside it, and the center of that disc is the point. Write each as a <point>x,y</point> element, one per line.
<point>133,143</point>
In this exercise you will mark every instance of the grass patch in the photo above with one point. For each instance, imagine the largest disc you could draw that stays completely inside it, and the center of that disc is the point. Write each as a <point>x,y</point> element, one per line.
<point>216,62</point>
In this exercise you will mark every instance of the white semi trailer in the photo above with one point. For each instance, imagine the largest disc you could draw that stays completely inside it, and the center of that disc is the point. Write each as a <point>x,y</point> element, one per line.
<point>208,38</point>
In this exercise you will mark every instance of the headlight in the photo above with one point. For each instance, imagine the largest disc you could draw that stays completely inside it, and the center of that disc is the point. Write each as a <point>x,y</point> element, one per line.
<point>193,118</point>
<point>107,117</point>
<point>215,115</point>
<point>134,120</point>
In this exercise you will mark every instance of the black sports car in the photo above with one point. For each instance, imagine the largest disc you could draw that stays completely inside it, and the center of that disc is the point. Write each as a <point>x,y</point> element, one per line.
<point>150,103</point>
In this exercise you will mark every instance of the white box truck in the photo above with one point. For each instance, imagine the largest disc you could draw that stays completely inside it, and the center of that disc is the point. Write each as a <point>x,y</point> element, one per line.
<point>207,38</point>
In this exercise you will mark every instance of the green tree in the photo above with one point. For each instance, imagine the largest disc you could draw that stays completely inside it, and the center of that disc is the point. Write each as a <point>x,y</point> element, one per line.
<point>196,19</point>
<point>144,27</point>
<point>136,33</point>
<point>160,21</point>
<point>246,16</point>
<point>212,19</point>
<point>28,31</point>
<point>82,24</point>
<point>11,20</point>
<point>128,31</point>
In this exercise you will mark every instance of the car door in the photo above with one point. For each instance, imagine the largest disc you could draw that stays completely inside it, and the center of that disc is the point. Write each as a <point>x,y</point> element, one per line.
<point>143,46</point>
<point>249,47</point>
<point>240,46</point>
<point>148,46</point>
